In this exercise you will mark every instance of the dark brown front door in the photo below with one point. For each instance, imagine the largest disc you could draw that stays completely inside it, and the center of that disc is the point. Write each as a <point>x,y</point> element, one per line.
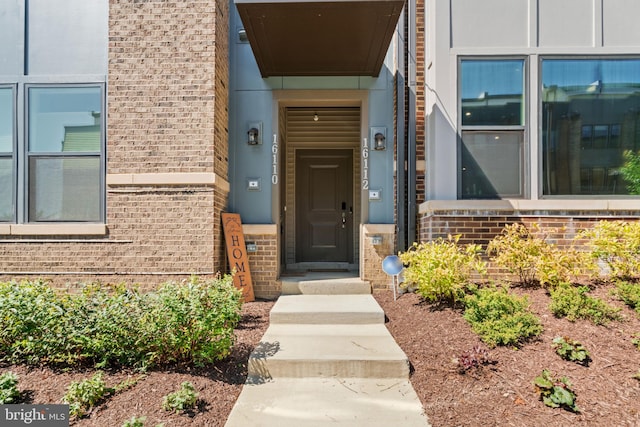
<point>324,205</point>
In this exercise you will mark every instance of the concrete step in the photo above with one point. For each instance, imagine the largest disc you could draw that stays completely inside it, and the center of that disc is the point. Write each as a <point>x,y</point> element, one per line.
<point>316,283</point>
<point>310,402</point>
<point>346,351</point>
<point>318,287</point>
<point>326,309</point>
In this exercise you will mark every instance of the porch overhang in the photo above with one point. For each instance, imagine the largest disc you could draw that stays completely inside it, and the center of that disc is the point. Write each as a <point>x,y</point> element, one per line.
<point>319,38</point>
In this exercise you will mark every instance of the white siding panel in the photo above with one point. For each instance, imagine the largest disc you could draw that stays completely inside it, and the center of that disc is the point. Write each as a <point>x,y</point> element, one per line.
<point>489,23</point>
<point>620,22</point>
<point>566,23</point>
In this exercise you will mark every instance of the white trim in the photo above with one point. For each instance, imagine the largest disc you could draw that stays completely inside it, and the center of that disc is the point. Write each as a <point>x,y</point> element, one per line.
<point>566,206</point>
<point>260,229</point>
<point>158,179</point>
<point>54,229</point>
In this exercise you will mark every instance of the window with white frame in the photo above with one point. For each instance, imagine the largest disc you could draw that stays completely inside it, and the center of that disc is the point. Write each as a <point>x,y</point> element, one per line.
<point>590,131</point>
<point>492,128</point>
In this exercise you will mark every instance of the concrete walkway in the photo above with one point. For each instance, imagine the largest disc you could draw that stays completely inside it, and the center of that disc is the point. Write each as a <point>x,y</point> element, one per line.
<point>327,359</point>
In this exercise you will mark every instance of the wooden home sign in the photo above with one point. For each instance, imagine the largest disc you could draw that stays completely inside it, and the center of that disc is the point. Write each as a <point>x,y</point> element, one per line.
<point>237,254</point>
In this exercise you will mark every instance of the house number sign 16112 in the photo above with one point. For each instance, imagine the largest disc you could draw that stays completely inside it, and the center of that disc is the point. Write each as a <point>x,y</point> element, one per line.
<point>365,164</point>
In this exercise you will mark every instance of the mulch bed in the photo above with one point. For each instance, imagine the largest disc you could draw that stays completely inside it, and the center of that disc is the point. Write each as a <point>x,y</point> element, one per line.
<point>499,394</point>
<point>218,385</point>
<point>502,394</point>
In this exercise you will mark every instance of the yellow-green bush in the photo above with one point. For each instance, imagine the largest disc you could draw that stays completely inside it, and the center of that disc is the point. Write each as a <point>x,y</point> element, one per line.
<point>441,269</point>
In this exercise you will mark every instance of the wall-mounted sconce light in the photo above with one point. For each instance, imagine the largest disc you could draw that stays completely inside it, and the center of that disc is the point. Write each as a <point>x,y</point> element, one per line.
<point>379,141</point>
<point>315,117</point>
<point>252,135</point>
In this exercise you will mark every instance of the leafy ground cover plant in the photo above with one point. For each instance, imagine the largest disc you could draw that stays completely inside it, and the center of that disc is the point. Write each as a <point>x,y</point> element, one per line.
<point>441,269</point>
<point>137,422</point>
<point>500,318</point>
<point>9,392</point>
<point>556,392</point>
<point>84,395</point>
<point>474,358</point>
<point>105,326</point>
<point>534,260</point>
<point>635,340</point>
<point>574,303</point>
<point>617,243</point>
<point>181,400</point>
<point>571,350</point>
<point>629,293</point>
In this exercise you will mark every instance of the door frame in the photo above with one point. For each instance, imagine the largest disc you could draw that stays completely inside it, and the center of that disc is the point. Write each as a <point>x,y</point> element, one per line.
<point>281,212</point>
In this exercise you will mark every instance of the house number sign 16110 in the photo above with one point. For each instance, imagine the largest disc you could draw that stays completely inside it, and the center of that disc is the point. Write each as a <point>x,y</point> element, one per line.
<point>274,160</point>
<point>365,164</point>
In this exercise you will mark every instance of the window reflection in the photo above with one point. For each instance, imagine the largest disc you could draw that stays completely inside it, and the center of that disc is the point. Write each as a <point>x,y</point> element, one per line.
<point>64,119</point>
<point>492,92</point>
<point>65,128</point>
<point>491,150</point>
<point>591,117</point>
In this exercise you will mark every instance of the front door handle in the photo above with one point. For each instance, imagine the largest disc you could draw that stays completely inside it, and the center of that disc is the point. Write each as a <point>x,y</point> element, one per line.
<point>344,219</point>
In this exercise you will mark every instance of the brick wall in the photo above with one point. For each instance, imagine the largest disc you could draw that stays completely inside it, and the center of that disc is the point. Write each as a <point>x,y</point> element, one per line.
<point>167,114</point>
<point>374,254</point>
<point>264,263</point>
<point>481,227</point>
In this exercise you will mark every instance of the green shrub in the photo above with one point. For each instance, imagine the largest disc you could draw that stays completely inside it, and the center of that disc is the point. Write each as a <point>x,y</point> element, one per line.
<point>441,269</point>
<point>629,293</point>
<point>617,243</point>
<point>574,303</point>
<point>116,326</point>
<point>31,316</point>
<point>500,318</point>
<point>556,392</point>
<point>9,392</point>
<point>534,260</point>
<point>571,350</point>
<point>193,322</point>
<point>103,324</point>
<point>630,171</point>
<point>84,395</point>
<point>181,400</point>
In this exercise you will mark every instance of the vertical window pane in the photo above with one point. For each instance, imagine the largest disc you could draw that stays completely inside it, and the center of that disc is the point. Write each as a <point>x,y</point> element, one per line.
<point>492,164</point>
<point>6,189</point>
<point>7,195</point>
<point>64,119</point>
<point>6,120</point>
<point>64,189</point>
<point>492,92</point>
<point>590,119</point>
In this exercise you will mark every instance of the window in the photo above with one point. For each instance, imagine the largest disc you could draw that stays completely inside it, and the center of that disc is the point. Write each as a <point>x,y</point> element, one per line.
<point>590,119</point>
<point>492,118</point>
<point>64,135</point>
<point>52,111</point>
<point>7,143</point>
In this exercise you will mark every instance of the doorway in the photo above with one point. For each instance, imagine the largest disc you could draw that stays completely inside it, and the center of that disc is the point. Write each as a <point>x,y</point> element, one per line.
<point>324,205</point>
<point>320,212</point>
